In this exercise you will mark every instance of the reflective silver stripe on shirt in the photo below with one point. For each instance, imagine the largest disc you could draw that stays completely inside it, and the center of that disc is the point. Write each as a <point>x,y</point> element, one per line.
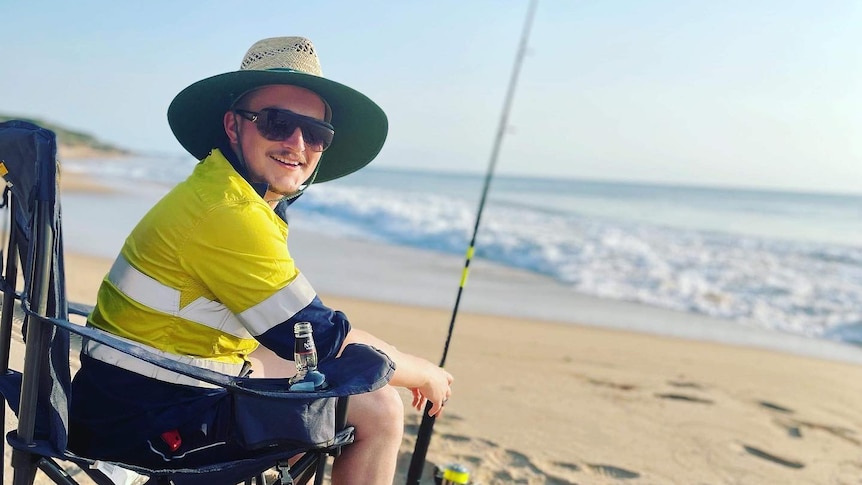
<point>279,307</point>
<point>112,356</point>
<point>214,315</point>
<point>143,289</point>
<point>151,293</point>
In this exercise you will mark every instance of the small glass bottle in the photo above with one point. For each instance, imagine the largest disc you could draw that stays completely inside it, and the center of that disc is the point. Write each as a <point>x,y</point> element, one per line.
<point>307,377</point>
<point>304,351</point>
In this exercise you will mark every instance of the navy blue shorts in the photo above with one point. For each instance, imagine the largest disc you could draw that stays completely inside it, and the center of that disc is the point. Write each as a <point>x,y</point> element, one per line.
<point>151,424</point>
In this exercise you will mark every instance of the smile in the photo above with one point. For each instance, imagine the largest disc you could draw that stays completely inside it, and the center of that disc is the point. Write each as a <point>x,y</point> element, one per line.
<point>288,163</point>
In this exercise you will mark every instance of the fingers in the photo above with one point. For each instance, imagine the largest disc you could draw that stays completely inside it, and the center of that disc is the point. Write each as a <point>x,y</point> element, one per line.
<point>436,410</point>
<point>437,390</point>
<point>418,399</point>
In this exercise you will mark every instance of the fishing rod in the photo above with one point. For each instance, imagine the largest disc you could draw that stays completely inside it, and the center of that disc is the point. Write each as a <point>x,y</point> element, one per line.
<point>423,436</point>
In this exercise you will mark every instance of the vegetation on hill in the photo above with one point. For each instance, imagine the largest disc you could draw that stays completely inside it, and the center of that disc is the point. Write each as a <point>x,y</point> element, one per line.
<point>72,143</point>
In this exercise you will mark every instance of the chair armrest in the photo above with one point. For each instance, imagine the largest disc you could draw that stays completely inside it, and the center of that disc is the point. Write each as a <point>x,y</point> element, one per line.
<point>81,309</point>
<point>359,369</point>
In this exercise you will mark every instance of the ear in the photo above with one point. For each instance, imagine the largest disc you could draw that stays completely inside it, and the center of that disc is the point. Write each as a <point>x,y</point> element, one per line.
<point>230,128</point>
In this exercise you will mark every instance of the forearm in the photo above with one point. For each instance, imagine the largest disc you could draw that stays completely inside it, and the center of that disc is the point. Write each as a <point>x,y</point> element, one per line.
<point>410,371</point>
<point>425,380</point>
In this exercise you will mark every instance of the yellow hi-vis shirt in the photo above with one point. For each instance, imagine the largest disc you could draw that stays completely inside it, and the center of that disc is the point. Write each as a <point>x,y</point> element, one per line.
<point>205,276</point>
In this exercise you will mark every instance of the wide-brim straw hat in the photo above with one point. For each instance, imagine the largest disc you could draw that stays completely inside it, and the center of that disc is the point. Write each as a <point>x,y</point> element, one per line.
<point>196,114</point>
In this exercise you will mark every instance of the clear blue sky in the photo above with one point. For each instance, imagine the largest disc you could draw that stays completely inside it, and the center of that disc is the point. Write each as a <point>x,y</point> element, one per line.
<point>736,92</point>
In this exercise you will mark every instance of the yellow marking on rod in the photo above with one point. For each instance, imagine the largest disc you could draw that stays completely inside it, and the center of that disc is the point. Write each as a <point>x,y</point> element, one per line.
<point>464,277</point>
<point>466,270</point>
<point>3,169</point>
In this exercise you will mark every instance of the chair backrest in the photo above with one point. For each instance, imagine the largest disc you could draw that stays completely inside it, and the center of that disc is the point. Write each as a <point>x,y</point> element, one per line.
<point>34,240</point>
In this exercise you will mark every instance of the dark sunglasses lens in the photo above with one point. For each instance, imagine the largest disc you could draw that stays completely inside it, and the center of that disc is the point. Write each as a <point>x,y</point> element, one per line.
<point>279,125</point>
<point>317,135</point>
<point>275,125</point>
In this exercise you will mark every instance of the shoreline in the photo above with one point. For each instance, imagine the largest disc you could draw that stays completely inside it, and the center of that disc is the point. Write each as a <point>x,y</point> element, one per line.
<point>80,151</point>
<point>400,274</point>
<point>496,290</point>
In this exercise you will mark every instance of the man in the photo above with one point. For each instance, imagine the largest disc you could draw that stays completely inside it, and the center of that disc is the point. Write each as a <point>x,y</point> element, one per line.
<point>206,276</point>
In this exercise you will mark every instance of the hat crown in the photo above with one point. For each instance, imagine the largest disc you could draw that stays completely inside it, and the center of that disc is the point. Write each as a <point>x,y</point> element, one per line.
<point>295,53</point>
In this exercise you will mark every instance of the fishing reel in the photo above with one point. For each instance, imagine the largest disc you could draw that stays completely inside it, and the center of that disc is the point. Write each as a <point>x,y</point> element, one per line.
<point>452,474</point>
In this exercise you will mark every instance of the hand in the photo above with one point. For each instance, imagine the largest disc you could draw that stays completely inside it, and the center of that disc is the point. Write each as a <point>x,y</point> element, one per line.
<point>426,381</point>
<point>437,389</point>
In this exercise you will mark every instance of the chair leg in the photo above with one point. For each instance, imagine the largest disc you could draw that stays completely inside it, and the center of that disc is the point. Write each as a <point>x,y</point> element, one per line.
<point>321,469</point>
<point>23,468</point>
<point>258,480</point>
<point>59,475</point>
<point>2,441</point>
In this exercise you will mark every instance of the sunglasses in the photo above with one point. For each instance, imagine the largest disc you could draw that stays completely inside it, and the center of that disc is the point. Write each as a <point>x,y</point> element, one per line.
<point>279,124</point>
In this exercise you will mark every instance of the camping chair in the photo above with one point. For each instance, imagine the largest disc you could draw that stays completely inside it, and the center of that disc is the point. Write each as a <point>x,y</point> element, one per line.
<point>38,394</point>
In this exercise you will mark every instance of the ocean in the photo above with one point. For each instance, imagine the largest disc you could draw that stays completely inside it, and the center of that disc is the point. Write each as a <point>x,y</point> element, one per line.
<point>786,261</point>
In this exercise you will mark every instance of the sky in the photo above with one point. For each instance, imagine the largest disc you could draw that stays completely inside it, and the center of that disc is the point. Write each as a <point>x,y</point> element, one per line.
<point>748,93</point>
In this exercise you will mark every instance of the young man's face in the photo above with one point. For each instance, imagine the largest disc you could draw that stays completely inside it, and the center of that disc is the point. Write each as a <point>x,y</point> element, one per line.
<point>284,165</point>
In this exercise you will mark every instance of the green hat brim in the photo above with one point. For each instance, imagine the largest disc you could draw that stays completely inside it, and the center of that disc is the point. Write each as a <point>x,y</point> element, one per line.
<point>196,116</point>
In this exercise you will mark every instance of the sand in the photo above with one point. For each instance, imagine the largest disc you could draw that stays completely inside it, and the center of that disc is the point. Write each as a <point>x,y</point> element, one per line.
<point>542,402</point>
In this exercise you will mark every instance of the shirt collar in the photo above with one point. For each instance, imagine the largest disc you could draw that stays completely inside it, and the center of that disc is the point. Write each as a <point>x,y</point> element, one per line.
<point>259,187</point>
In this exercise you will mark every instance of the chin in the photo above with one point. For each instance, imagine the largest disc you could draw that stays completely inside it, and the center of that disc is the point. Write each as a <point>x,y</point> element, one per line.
<point>282,189</point>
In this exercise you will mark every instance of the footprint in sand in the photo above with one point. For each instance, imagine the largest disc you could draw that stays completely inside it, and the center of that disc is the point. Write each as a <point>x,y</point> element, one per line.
<point>610,471</point>
<point>840,432</point>
<point>794,426</point>
<point>686,385</point>
<point>684,397</point>
<point>612,385</point>
<point>773,458</point>
<point>567,466</point>
<point>775,407</point>
<point>491,464</point>
<point>456,438</point>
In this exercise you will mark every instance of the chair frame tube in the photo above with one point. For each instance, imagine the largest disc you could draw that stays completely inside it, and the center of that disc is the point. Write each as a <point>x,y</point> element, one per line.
<point>22,462</point>
<point>10,278</point>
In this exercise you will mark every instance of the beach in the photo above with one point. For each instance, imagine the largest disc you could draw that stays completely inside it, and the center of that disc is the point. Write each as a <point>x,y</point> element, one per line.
<point>553,388</point>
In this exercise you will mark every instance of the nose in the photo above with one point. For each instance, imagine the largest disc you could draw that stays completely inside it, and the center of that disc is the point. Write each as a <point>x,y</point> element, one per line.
<point>296,141</point>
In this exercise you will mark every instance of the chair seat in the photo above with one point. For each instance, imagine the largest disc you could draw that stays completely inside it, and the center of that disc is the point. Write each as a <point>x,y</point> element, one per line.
<point>224,472</point>
<point>220,473</point>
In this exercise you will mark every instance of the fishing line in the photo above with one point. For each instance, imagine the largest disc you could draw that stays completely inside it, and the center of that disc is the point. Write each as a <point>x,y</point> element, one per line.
<point>423,437</point>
